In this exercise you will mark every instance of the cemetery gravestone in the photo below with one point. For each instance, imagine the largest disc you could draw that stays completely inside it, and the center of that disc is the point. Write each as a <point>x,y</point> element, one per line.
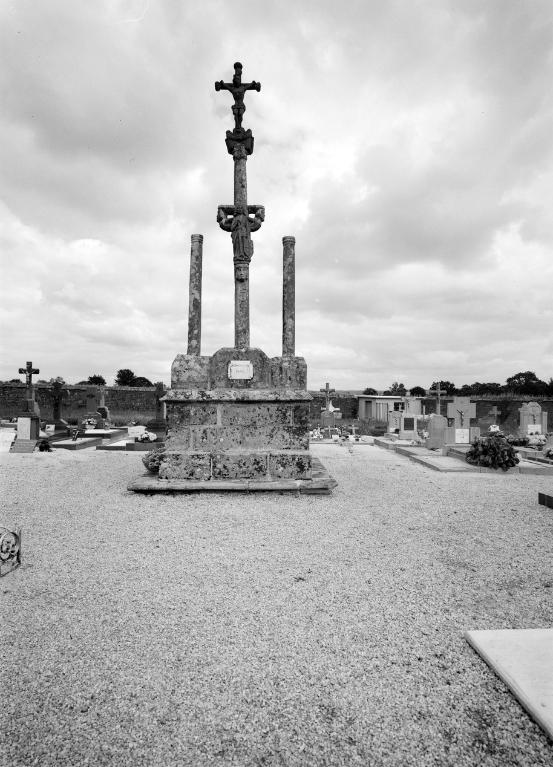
<point>532,420</point>
<point>410,417</point>
<point>329,414</point>
<point>461,410</point>
<point>394,421</point>
<point>59,394</point>
<point>28,422</point>
<point>436,428</point>
<point>238,419</point>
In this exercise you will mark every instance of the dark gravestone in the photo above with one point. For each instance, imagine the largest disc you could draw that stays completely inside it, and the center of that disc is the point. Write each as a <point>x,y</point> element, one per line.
<point>408,424</point>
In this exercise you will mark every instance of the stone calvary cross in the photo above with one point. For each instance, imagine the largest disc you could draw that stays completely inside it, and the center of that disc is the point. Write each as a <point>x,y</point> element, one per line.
<point>240,219</point>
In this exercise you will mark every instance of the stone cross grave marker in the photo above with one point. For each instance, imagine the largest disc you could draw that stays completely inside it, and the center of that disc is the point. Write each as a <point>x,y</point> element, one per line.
<point>532,420</point>
<point>461,410</point>
<point>329,413</point>
<point>327,391</point>
<point>28,371</point>
<point>437,392</point>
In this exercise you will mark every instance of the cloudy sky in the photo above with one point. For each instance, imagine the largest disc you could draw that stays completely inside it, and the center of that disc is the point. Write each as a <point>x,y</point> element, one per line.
<point>406,145</point>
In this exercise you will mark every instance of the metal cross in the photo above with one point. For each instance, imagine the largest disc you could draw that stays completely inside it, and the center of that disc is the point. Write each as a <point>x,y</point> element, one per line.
<point>238,89</point>
<point>28,372</point>
<point>327,392</point>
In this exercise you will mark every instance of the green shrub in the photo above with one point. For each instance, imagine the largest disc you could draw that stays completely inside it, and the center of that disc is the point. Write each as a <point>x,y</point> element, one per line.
<point>492,451</point>
<point>377,428</point>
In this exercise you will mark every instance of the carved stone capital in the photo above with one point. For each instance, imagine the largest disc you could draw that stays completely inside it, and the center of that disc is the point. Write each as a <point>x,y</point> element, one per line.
<point>239,137</point>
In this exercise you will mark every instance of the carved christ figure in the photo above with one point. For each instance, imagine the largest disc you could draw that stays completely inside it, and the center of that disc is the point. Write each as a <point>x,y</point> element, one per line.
<point>240,226</point>
<point>237,88</point>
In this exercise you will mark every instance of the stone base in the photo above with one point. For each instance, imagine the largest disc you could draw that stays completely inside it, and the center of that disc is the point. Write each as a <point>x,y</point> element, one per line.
<point>28,427</point>
<point>236,464</point>
<point>320,483</point>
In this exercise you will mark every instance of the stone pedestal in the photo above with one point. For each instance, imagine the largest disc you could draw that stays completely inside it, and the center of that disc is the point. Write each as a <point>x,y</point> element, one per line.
<point>239,428</point>
<point>28,427</point>
<point>233,434</point>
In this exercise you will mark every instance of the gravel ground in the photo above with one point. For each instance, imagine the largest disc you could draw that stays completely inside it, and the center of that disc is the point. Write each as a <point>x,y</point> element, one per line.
<point>228,629</point>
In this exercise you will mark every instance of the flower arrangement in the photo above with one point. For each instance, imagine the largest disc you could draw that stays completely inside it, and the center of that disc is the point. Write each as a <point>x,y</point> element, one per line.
<point>537,440</point>
<point>517,441</point>
<point>493,451</point>
<point>147,436</point>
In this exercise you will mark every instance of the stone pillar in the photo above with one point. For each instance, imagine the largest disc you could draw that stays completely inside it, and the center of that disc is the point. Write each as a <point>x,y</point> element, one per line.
<point>195,296</point>
<point>288,296</point>
<point>241,305</point>
<point>240,179</point>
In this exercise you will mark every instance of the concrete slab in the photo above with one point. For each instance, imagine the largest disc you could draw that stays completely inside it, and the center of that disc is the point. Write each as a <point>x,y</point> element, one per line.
<point>443,463</point>
<point>79,444</point>
<point>121,444</point>
<point>523,660</point>
<point>7,436</point>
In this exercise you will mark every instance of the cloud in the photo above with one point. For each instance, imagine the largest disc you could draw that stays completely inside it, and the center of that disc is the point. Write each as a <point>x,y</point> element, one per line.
<point>406,146</point>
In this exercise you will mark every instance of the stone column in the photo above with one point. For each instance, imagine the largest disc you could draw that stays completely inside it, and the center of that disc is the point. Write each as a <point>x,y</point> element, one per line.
<point>241,270</point>
<point>240,179</point>
<point>241,306</point>
<point>195,296</point>
<point>288,296</point>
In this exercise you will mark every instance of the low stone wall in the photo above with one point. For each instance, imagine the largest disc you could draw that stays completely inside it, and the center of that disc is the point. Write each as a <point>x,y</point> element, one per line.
<point>125,403</point>
<point>129,403</point>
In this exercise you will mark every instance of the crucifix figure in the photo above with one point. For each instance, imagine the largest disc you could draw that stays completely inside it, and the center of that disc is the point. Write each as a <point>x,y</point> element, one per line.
<point>237,88</point>
<point>28,371</point>
<point>327,391</point>
<point>461,410</point>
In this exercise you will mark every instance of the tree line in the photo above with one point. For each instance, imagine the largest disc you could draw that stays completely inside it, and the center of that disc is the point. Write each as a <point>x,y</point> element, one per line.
<point>524,383</point>
<point>124,377</point>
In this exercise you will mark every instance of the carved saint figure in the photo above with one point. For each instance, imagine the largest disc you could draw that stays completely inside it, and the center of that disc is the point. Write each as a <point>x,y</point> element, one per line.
<point>240,226</point>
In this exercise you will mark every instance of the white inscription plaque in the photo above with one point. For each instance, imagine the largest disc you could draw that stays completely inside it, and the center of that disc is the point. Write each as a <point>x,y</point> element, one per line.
<point>240,370</point>
<point>462,436</point>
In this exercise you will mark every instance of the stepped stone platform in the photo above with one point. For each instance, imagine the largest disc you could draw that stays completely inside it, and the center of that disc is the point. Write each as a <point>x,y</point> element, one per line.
<point>320,483</point>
